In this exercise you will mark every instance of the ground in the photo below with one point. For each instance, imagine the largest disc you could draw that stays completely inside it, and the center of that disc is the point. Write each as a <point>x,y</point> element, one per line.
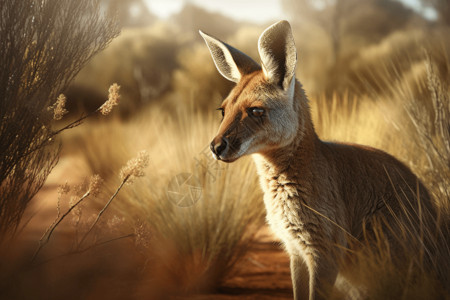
<point>262,274</point>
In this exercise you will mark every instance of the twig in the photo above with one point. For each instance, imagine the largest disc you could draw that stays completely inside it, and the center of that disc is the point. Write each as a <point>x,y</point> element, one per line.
<point>104,209</point>
<point>75,123</point>
<point>48,140</point>
<point>87,248</point>
<point>52,228</point>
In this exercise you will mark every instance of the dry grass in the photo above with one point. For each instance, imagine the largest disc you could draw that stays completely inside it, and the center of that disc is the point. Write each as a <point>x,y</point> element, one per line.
<point>191,248</point>
<point>412,112</point>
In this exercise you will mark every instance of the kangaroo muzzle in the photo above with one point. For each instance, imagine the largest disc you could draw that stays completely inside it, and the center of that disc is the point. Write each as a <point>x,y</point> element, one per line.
<point>219,147</point>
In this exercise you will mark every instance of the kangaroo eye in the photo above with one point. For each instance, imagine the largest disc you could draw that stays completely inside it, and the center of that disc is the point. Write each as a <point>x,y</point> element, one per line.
<point>256,111</point>
<point>222,110</point>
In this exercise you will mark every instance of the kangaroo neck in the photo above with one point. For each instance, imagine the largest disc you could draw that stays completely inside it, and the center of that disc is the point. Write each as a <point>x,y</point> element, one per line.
<point>297,156</point>
<point>293,158</point>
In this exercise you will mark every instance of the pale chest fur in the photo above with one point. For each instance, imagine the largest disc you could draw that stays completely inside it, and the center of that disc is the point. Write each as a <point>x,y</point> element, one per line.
<point>290,220</point>
<point>282,214</point>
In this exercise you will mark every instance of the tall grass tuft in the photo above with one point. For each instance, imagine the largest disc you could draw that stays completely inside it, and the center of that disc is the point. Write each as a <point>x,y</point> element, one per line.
<point>433,133</point>
<point>193,245</point>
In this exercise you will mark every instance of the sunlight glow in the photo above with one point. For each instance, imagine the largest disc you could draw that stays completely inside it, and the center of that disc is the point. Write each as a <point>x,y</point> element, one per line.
<point>165,8</point>
<point>257,11</point>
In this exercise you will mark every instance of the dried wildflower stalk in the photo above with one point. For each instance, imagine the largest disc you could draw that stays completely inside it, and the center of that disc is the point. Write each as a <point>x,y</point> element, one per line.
<point>105,108</point>
<point>59,111</point>
<point>134,168</point>
<point>62,190</point>
<point>94,188</point>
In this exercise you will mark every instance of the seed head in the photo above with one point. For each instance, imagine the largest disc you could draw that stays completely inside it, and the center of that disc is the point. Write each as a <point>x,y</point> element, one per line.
<point>113,99</point>
<point>135,167</point>
<point>95,182</point>
<point>59,107</point>
<point>63,189</point>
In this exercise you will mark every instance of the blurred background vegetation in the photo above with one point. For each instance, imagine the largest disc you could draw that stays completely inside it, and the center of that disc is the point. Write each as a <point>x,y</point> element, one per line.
<point>338,42</point>
<point>376,72</point>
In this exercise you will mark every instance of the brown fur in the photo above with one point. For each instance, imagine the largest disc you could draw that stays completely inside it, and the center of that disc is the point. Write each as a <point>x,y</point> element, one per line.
<point>321,197</point>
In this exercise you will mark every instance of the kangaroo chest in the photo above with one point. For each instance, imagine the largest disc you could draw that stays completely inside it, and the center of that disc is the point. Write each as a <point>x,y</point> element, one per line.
<point>288,204</point>
<point>289,219</point>
<point>281,214</point>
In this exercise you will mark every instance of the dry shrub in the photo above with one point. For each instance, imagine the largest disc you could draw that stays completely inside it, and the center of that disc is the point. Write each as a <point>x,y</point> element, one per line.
<point>151,61</point>
<point>378,68</point>
<point>192,18</point>
<point>192,248</point>
<point>344,27</point>
<point>142,60</point>
<point>43,45</point>
<point>166,64</point>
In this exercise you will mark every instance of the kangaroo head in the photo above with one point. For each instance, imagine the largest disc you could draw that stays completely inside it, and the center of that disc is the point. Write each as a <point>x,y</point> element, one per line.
<point>258,114</point>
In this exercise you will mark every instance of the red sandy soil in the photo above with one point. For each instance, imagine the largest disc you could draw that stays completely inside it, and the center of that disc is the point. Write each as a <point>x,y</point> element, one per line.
<point>262,274</point>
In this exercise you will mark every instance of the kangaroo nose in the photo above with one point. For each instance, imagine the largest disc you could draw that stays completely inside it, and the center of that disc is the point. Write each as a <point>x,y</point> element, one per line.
<point>219,147</point>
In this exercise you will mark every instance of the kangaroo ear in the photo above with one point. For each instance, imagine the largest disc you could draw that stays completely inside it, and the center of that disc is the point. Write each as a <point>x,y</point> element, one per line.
<point>278,54</point>
<point>230,62</point>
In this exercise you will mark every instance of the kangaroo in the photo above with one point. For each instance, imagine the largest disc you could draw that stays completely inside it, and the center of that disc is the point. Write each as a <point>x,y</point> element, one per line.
<point>316,193</point>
